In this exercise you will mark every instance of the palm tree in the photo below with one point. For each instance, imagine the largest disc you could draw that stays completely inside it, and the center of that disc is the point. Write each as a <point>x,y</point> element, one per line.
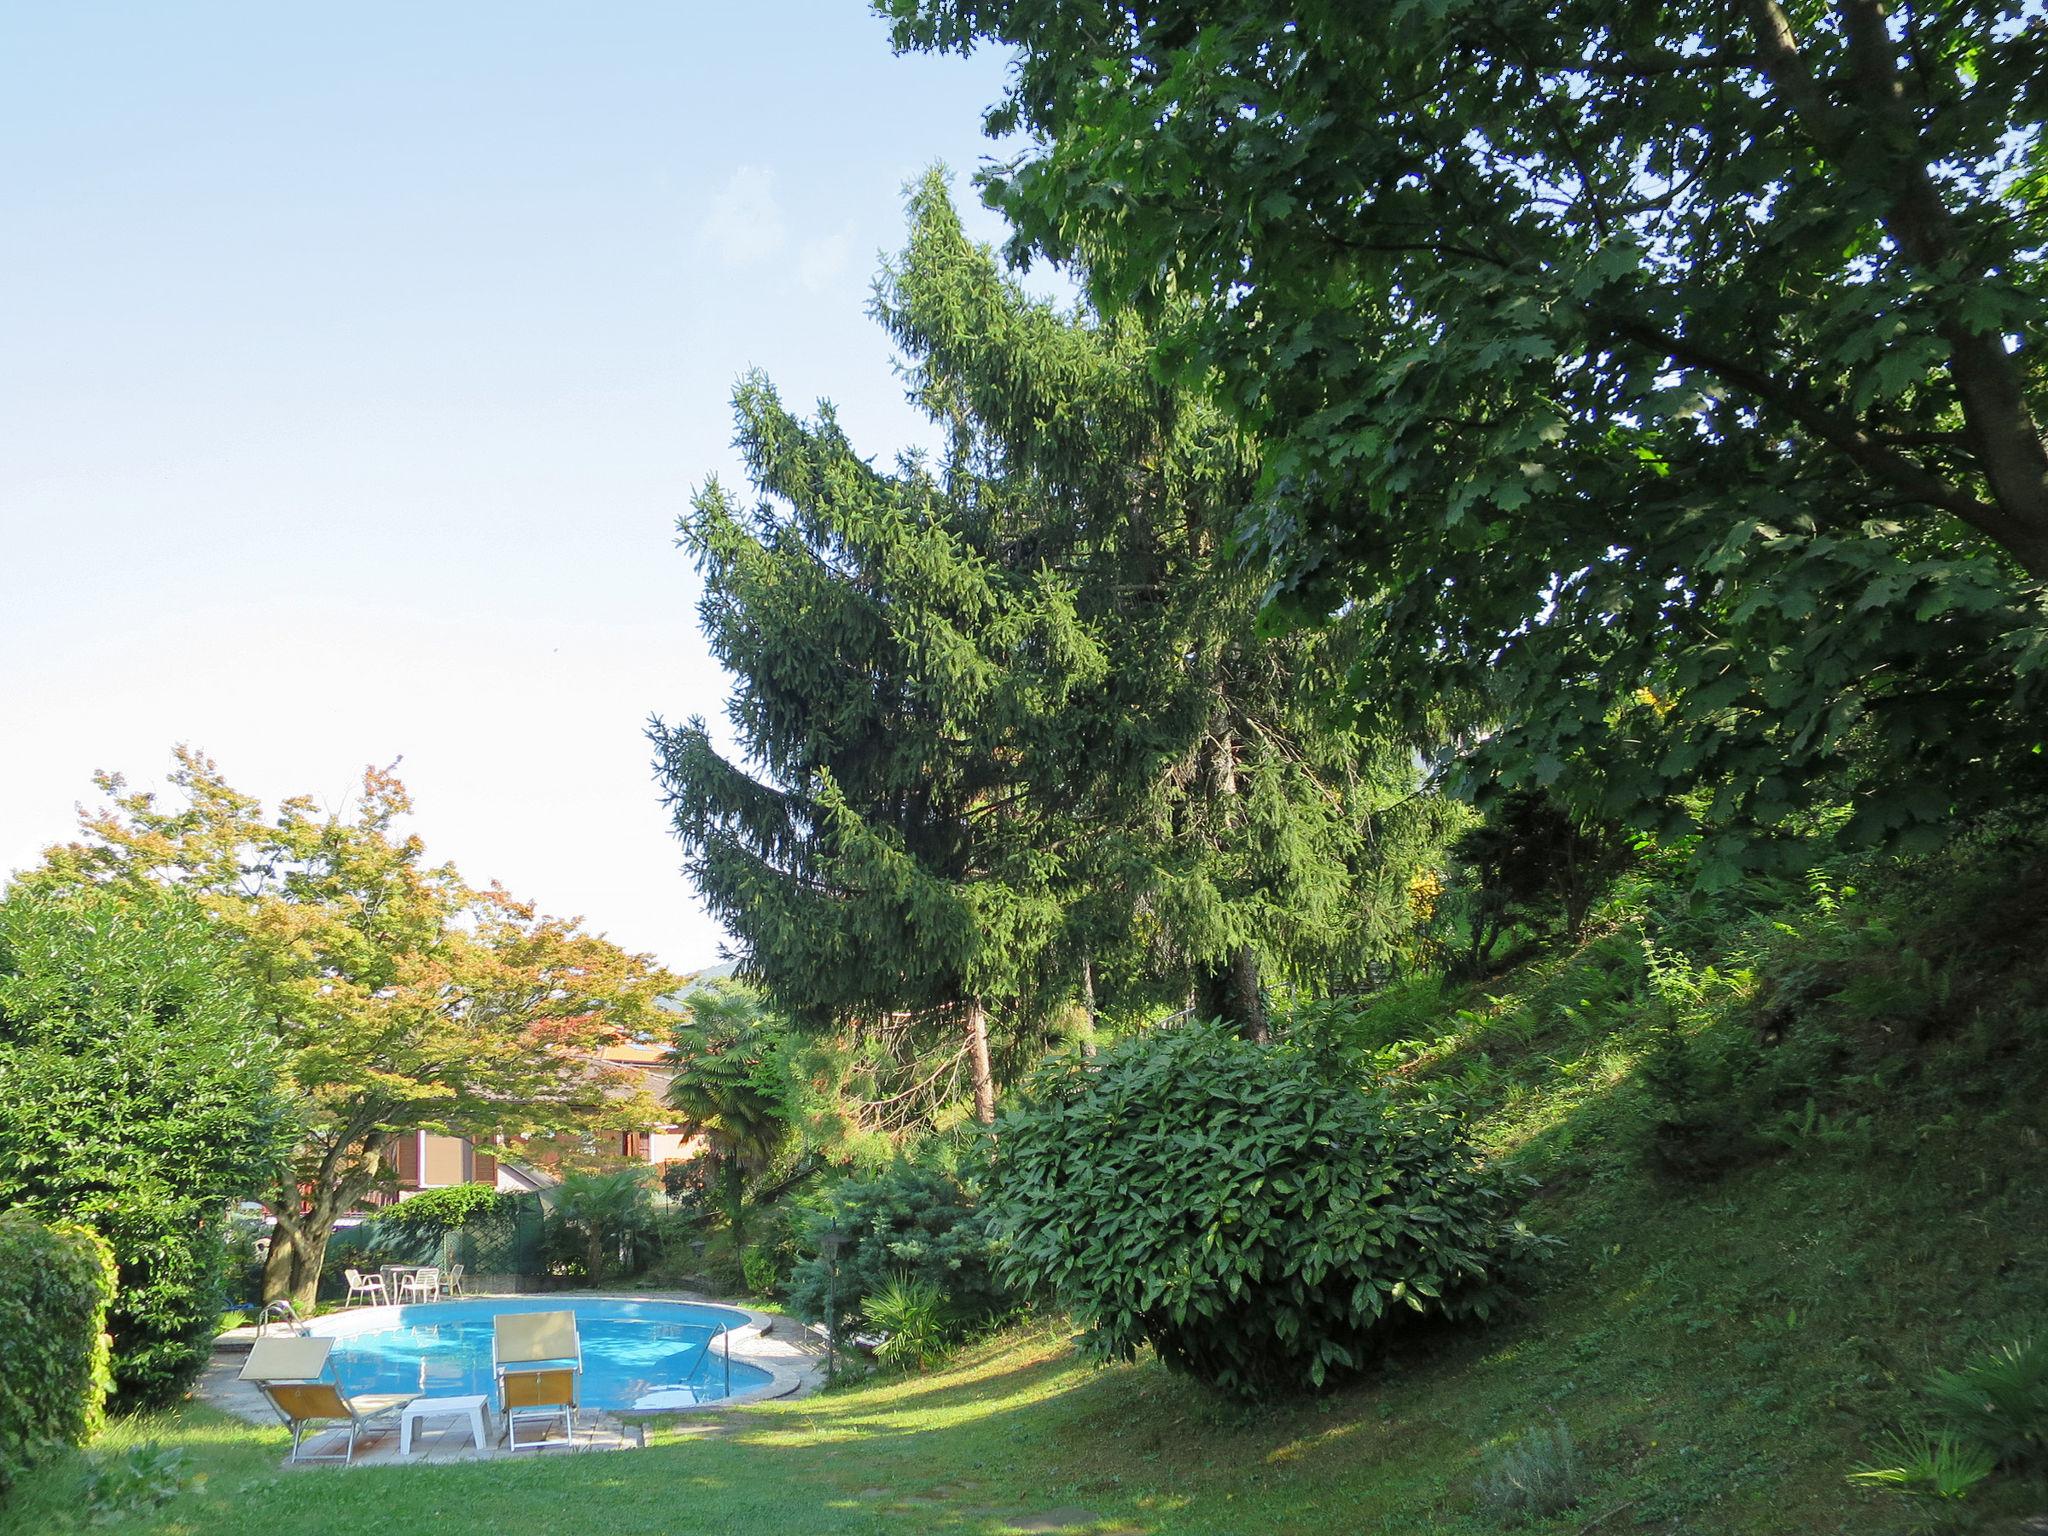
<point>731,1078</point>
<point>608,1207</point>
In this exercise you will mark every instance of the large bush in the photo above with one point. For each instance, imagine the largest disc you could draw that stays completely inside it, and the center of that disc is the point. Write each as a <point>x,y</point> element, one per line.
<point>1251,1211</point>
<point>449,1209</point>
<point>138,1096</point>
<point>55,1283</point>
<point>911,1222</point>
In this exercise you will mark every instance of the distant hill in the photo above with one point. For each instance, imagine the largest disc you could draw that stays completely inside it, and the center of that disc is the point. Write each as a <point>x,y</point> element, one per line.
<point>723,971</point>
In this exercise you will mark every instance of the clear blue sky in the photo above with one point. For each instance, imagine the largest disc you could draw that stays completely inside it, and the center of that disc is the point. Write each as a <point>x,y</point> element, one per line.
<point>356,362</point>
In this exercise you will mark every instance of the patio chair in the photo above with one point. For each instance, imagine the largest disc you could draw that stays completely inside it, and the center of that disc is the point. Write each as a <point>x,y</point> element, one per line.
<point>536,1358</point>
<point>423,1284</point>
<point>451,1283</point>
<point>360,1284</point>
<point>288,1371</point>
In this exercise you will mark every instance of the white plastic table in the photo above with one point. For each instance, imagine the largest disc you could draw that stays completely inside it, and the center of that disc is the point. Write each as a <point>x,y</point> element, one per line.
<point>442,1408</point>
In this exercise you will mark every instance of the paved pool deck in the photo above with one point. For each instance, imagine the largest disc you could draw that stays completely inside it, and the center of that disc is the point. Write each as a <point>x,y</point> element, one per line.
<point>779,1345</point>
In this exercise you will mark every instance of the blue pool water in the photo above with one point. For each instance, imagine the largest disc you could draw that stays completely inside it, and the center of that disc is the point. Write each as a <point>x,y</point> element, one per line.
<point>630,1348</point>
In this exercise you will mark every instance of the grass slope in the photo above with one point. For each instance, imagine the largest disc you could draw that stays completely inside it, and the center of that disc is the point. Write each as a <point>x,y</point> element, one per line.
<point>1723,1347</point>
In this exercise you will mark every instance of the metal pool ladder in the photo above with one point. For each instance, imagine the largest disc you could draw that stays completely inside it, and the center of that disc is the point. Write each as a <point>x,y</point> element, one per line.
<point>285,1315</point>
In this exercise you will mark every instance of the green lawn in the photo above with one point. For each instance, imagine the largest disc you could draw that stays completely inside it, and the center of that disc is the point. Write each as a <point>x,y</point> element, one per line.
<point>1720,1363</point>
<point>1724,1351</point>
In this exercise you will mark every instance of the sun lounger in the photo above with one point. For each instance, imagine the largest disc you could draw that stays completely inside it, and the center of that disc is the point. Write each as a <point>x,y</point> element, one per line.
<point>288,1372</point>
<point>536,1358</point>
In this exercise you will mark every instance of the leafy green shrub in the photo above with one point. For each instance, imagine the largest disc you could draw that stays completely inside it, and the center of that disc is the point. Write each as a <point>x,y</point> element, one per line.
<point>913,1314</point>
<point>243,1267</point>
<point>2000,1402</point>
<point>905,1220</point>
<point>1247,1209</point>
<point>758,1269</point>
<point>138,1096</point>
<point>1944,1467</point>
<point>691,1185</point>
<point>135,1482</point>
<point>55,1285</point>
<point>1383,1026</point>
<point>1533,1475</point>
<point>448,1209</point>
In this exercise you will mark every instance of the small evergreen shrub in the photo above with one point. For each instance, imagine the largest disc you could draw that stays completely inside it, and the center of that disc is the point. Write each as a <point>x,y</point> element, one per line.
<point>56,1282</point>
<point>758,1269</point>
<point>1532,1476</point>
<point>1251,1211</point>
<point>906,1220</point>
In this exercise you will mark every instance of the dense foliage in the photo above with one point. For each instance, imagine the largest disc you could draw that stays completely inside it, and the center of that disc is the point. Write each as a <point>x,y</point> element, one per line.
<point>138,1095</point>
<point>1019,750</point>
<point>55,1284</point>
<point>598,1216</point>
<point>1530,862</point>
<point>911,1222</point>
<point>447,1209</point>
<point>1665,382</point>
<point>405,998</point>
<point>732,1074</point>
<point>1248,1210</point>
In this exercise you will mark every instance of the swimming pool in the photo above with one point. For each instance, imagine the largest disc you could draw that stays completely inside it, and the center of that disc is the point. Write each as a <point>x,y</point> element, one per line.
<point>633,1351</point>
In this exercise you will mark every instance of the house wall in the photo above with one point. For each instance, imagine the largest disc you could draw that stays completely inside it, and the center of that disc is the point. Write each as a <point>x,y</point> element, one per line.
<point>425,1161</point>
<point>672,1146</point>
<point>444,1160</point>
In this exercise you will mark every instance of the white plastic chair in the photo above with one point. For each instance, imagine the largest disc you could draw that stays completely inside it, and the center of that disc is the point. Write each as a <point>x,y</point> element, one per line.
<point>422,1284</point>
<point>360,1284</point>
<point>453,1283</point>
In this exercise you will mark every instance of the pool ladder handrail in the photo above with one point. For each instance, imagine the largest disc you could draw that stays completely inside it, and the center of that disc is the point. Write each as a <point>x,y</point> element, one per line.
<point>283,1312</point>
<point>723,1331</point>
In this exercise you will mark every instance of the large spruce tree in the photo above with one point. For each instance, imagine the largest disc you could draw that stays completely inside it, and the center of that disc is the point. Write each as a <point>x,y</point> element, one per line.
<point>1239,827</point>
<point>1012,738</point>
<point>887,862</point>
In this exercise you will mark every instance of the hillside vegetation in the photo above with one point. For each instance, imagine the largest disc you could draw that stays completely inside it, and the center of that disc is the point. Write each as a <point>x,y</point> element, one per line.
<point>1767,1246</point>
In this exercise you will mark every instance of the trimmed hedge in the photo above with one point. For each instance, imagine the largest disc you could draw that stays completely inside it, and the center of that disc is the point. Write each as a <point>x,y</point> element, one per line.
<point>56,1282</point>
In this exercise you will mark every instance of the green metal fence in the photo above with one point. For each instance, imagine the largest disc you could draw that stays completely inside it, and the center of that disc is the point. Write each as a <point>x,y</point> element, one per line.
<point>501,1253</point>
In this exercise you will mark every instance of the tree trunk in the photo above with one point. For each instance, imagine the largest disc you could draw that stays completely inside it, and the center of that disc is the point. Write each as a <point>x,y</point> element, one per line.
<point>736,1199</point>
<point>277,1267</point>
<point>1230,991</point>
<point>977,1063</point>
<point>304,1224</point>
<point>1088,1004</point>
<point>298,1249</point>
